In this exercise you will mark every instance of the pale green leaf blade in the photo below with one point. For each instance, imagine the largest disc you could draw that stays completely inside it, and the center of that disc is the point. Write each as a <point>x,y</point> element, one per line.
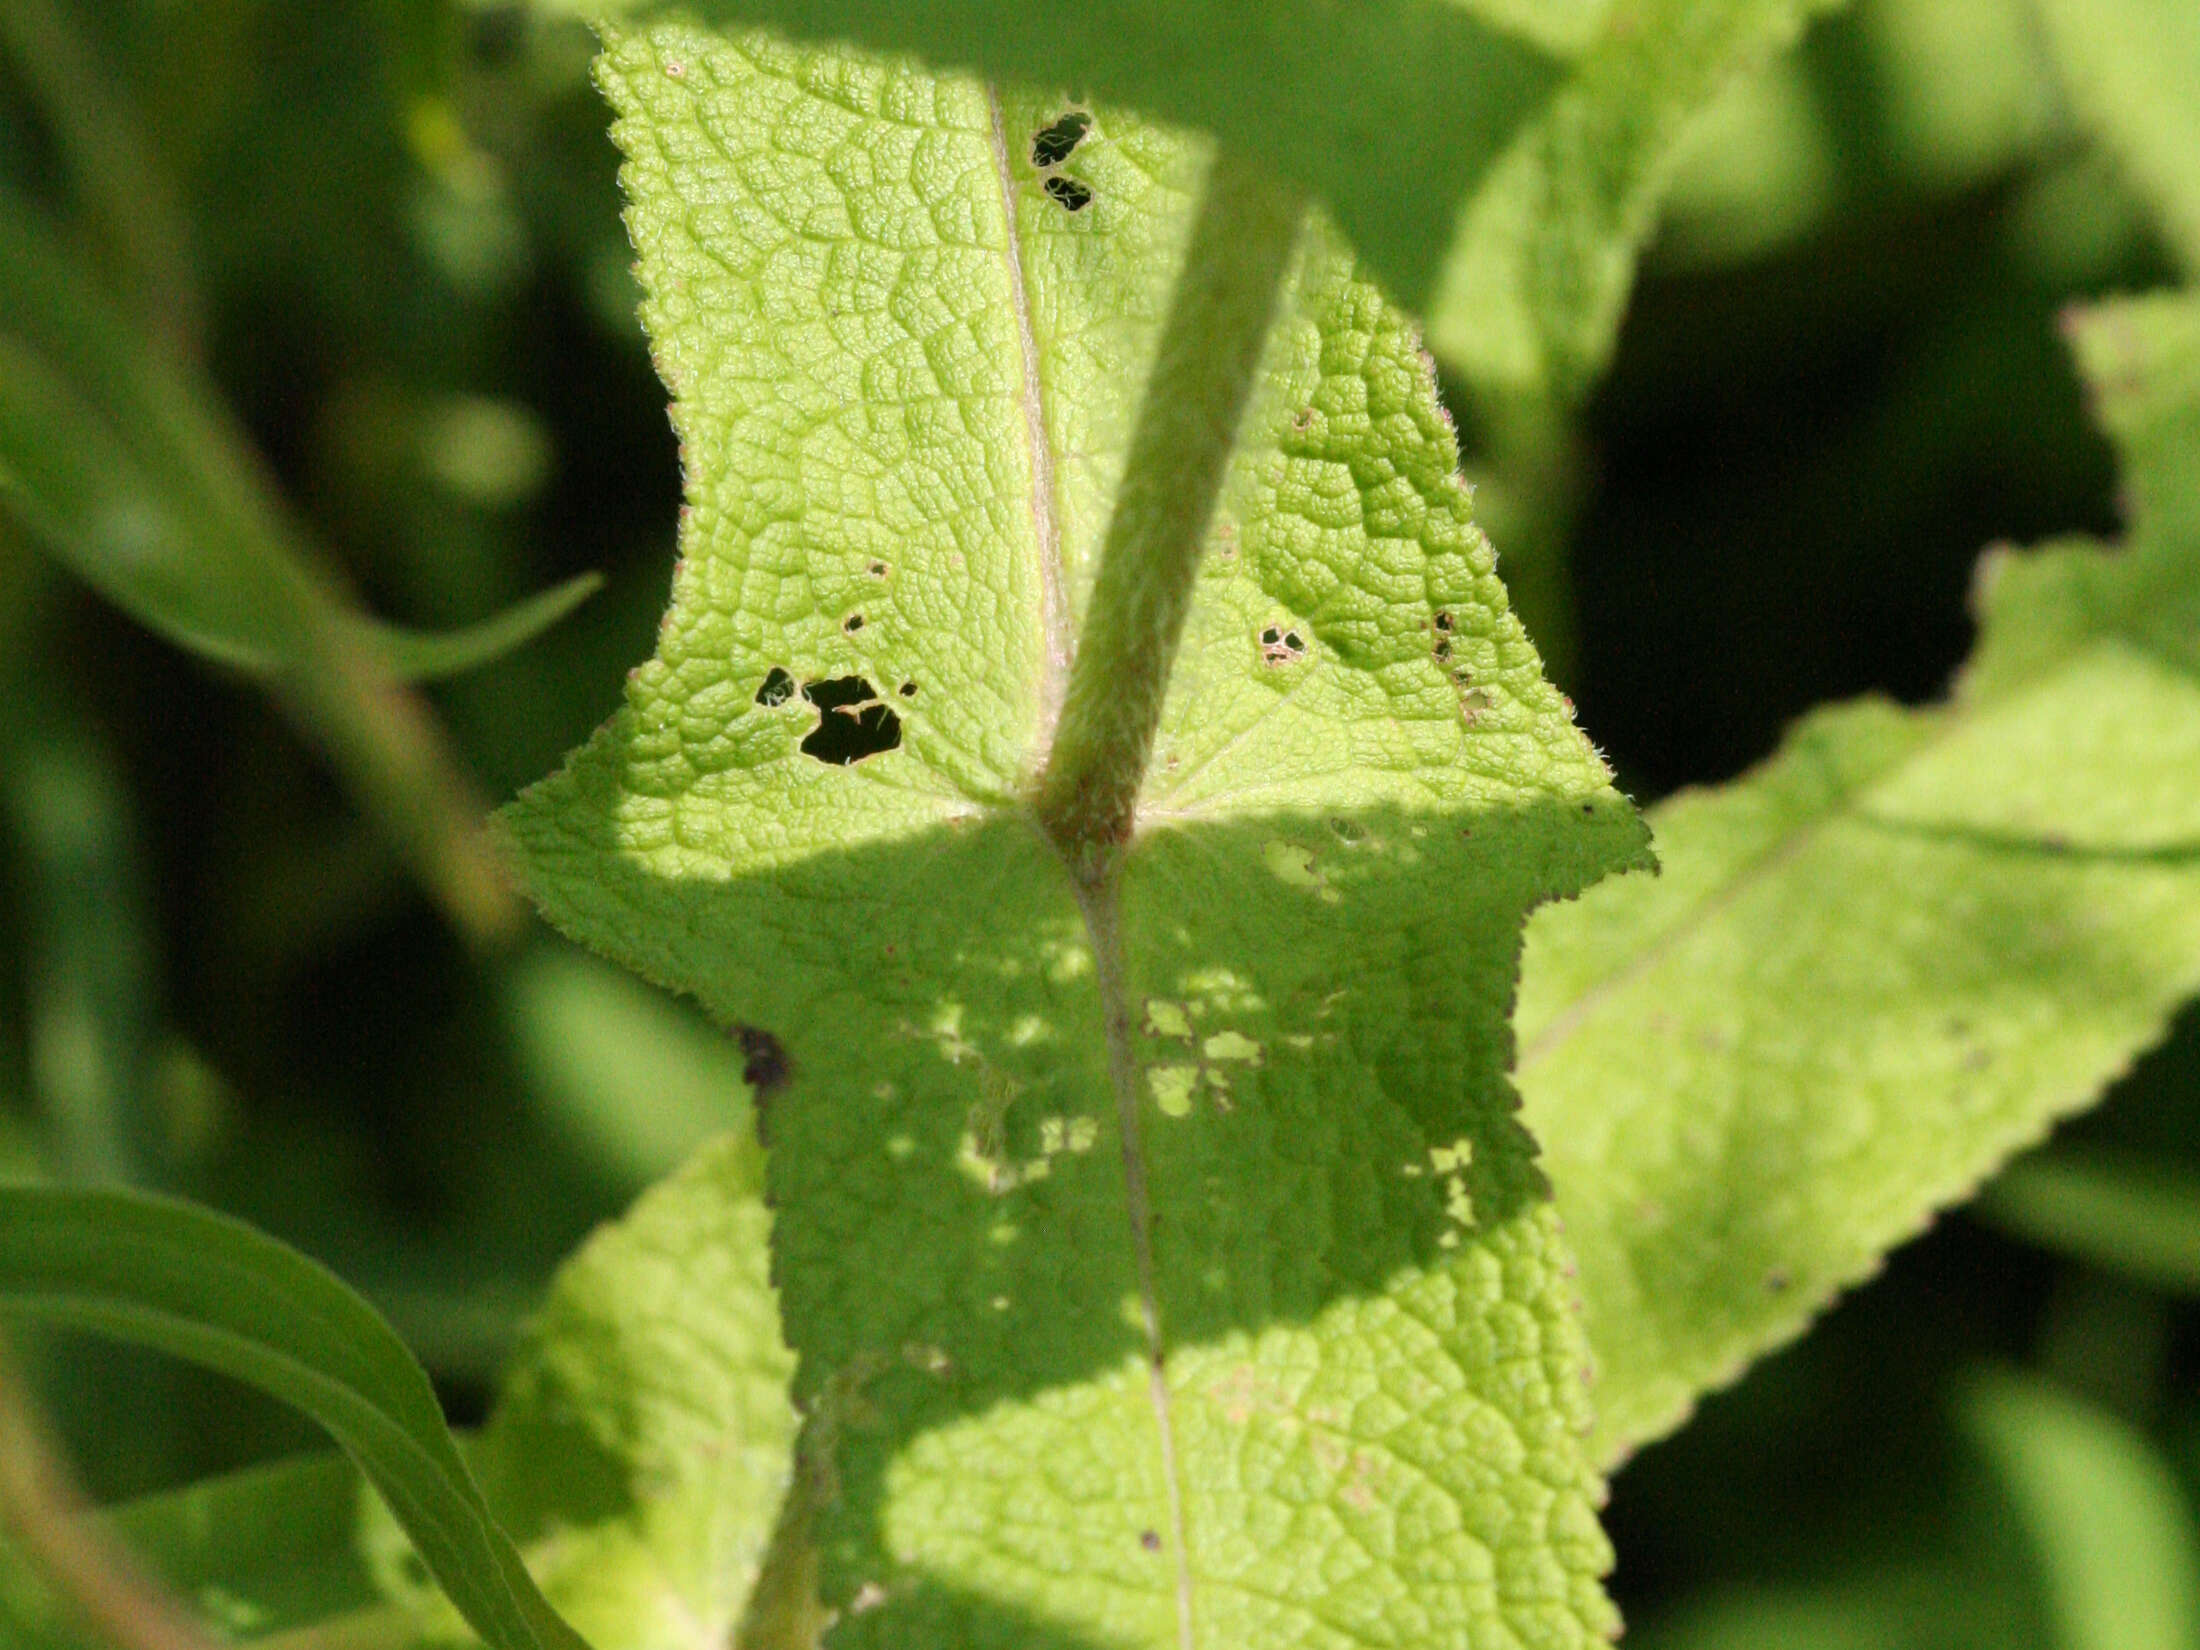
<point>2131,1215</point>
<point>2117,1542</point>
<point>1244,1322</point>
<point>643,1441</point>
<point>1971,920</point>
<point>2132,69</point>
<point>1529,302</point>
<point>198,1285</point>
<point>1391,111</point>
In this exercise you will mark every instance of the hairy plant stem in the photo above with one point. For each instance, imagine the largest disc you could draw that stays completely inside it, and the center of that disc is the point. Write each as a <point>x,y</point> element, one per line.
<point>1225,299</point>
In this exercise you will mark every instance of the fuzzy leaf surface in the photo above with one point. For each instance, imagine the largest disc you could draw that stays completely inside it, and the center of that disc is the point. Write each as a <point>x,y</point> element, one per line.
<point>1391,111</point>
<point>1971,919</point>
<point>1256,1334</point>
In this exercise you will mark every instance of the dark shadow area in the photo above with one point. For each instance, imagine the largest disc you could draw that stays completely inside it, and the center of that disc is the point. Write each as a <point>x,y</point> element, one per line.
<point>1320,1009</point>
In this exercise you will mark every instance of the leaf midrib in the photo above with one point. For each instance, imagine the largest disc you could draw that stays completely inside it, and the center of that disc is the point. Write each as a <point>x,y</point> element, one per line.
<point>1096,904</point>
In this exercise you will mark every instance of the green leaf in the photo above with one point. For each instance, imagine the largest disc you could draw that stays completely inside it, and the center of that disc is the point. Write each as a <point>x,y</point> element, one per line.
<point>1972,919</point>
<point>2117,1542</point>
<point>258,1551</point>
<point>1530,304</point>
<point>198,1285</point>
<point>2132,69</point>
<point>2128,1213</point>
<point>1390,110</point>
<point>644,1440</point>
<point>1162,1256</point>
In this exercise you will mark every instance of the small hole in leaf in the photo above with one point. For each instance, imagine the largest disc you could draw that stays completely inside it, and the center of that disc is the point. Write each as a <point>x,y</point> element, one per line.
<point>1279,646</point>
<point>1051,145</point>
<point>852,623</point>
<point>851,721</point>
<point>1150,1540</point>
<point>1303,419</point>
<point>1443,649</point>
<point>908,690</point>
<point>778,688</point>
<point>878,570</point>
<point>1443,621</point>
<point>1071,195</point>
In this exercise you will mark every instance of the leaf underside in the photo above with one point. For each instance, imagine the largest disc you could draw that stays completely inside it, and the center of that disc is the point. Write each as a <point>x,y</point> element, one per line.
<point>1260,1337</point>
<point>1898,952</point>
<point>1391,111</point>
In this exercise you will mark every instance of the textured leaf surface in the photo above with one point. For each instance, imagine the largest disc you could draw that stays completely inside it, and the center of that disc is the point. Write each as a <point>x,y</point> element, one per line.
<point>1530,305</point>
<point>2132,68</point>
<point>1389,110</point>
<point>1896,953</point>
<point>1257,1334</point>
<point>198,1285</point>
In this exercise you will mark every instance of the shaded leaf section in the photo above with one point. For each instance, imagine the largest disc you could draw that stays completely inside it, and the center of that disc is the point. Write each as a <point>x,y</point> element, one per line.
<point>643,1440</point>
<point>198,1285</point>
<point>1896,953</point>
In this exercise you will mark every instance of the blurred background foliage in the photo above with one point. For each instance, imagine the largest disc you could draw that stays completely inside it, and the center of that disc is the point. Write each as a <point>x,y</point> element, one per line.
<point>360,265</point>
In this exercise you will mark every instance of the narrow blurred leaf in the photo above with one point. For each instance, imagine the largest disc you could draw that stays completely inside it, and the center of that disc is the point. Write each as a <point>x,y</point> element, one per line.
<point>198,1285</point>
<point>419,656</point>
<point>2133,71</point>
<point>124,466</point>
<point>89,968</point>
<point>641,1080</point>
<point>2116,1540</point>
<point>1390,110</point>
<point>118,179</point>
<point>1970,919</point>
<point>2129,1214</point>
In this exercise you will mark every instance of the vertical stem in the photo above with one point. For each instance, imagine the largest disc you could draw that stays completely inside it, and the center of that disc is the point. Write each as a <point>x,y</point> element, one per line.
<point>1180,450</point>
